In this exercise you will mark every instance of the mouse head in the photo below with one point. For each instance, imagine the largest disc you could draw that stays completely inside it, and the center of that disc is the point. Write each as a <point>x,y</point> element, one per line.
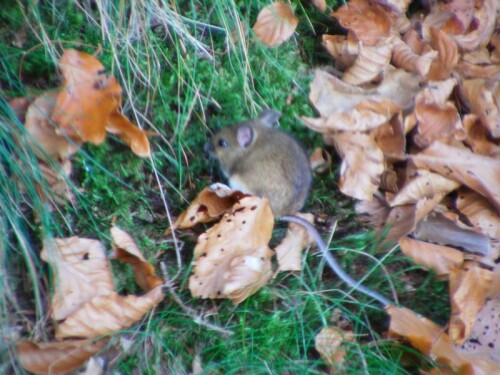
<point>232,143</point>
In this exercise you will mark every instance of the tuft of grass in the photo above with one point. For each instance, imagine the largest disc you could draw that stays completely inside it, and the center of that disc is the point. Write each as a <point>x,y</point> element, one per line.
<point>187,68</point>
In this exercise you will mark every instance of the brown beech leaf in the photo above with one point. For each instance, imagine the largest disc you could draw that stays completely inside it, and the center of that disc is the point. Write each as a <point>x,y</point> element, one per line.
<point>467,70</point>
<point>463,10</point>
<point>108,313</point>
<point>377,213</point>
<point>133,136</point>
<point>480,95</point>
<point>89,102</point>
<point>81,271</point>
<point>423,185</point>
<point>441,259</point>
<point>56,358</point>
<point>478,172</point>
<point>480,35</point>
<point>330,95</point>
<point>232,259</point>
<point>275,24</point>
<point>483,339</point>
<point>343,49</point>
<point>447,59</point>
<point>479,212</point>
<point>362,164</point>
<point>391,139</point>
<point>126,250</point>
<point>477,137</point>
<point>320,160</point>
<point>468,288</point>
<point>369,21</point>
<point>329,344</point>
<point>297,238</point>
<point>42,130</point>
<point>431,340</point>
<point>371,61</point>
<point>437,122</point>
<point>87,99</point>
<point>405,58</point>
<point>211,203</point>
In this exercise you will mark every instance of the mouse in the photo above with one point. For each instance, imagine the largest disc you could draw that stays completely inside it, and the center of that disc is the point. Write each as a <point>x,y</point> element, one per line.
<point>259,158</point>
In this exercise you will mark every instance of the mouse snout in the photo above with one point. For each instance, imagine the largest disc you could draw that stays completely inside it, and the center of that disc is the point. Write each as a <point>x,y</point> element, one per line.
<point>209,148</point>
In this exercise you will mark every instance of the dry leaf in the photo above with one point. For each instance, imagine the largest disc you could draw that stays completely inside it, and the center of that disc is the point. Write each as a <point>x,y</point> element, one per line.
<point>371,61</point>
<point>425,185</point>
<point>133,136</point>
<point>289,251</point>
<point>89,102</point>
<point>477,137</point>
<point>483,339</point>
<point>42,130</point>
<point>56,358</point>
<point>442,67</point>
<point>108,313</point>
<point>81,272</point>
<point>479,212</point>
<point>320,160</point>
<point>391,139</point>
<point>480,94</point>
<point>369,21</point>
<point>480,35</point>
<point>437,122</point>
<point>362,164</point>
<point>431,340</point>
<point>404,57</point>
<point>211,203</point>
<point>275,24</point>
<point>343,49</point>
<point>441,259</point>
<point>232,259</point>
<point>468,288</point>
<point>480,173</point>
<point>377,213</point>
<point>126,250</point>
<point>328,344</point>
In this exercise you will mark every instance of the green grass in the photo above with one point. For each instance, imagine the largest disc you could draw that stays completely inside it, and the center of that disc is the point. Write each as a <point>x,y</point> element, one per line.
<point>185,72</point>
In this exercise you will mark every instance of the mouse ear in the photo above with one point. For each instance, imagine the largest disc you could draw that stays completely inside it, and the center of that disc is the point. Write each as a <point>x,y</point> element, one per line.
<point>244,136</point>
<point>269,117</point>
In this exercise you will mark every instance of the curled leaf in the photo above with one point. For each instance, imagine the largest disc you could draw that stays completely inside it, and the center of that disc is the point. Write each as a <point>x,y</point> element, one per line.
<point>210,203</point>
<point>329,344</point>
<point>56,358</point>
<point>289,251</point>
<point>480,173</point>
<point>126,250</point>
<point>468,288</point>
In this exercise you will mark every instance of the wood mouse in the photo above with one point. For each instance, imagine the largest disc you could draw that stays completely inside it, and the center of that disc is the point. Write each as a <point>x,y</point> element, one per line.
<point>259,159</point>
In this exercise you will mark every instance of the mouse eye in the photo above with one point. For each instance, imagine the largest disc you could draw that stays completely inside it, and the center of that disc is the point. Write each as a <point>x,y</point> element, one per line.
<point>222,143</point>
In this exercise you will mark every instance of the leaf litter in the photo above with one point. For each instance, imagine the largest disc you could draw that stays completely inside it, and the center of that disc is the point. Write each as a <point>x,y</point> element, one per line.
<point>415,119</point>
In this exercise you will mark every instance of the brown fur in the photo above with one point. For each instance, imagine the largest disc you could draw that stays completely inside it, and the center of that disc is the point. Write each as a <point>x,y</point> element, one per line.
<point>273,165</point>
